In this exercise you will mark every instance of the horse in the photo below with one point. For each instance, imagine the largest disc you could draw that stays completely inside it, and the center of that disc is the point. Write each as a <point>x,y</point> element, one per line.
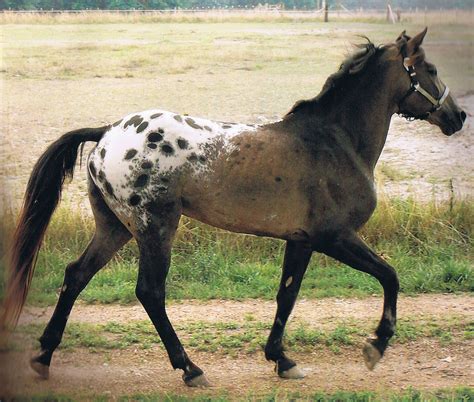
<point>307,179</point>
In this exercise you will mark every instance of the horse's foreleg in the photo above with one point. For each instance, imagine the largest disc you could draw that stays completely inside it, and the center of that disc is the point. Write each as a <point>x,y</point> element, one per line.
<point>109,237</point>
<point>351,250</point>
<point>297,256</point>
<point>155,256</point>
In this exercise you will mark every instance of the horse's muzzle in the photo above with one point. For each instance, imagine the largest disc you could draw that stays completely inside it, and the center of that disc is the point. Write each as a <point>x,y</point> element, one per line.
<point>451,123</point>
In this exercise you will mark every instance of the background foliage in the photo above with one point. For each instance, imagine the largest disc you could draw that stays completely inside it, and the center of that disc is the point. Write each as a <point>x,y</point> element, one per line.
<point>170,4</point>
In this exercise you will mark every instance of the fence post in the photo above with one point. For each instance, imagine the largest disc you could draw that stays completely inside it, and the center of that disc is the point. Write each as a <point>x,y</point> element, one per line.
<point>390,17</point>
<point>326,9</point>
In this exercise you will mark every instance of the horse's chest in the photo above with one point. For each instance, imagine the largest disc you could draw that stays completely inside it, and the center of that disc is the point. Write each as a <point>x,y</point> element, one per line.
<point>343,201</point>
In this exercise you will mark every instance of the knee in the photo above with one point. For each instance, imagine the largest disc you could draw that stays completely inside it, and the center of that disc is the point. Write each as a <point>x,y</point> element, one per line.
<point>142,293</point>
<point>147,295</point>
<point>390,279</point>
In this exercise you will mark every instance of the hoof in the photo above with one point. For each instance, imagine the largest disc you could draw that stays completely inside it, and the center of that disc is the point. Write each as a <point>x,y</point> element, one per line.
<point>371,355</point>
<point>200,381</point>
<point>293,373</point>
<point>41,369</point>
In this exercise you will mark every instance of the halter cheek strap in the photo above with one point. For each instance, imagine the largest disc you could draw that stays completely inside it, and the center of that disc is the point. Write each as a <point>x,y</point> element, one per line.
<point>416,87</point>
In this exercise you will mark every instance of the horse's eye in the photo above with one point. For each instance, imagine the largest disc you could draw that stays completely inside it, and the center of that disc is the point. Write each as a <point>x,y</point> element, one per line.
<point>433,71</point>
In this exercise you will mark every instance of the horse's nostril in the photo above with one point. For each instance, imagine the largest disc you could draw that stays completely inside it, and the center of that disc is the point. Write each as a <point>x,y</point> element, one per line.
<point>463,115</point>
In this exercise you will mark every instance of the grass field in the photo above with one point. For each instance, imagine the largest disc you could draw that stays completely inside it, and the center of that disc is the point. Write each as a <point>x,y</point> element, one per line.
<point>430,245</point>
<point>78,73</point>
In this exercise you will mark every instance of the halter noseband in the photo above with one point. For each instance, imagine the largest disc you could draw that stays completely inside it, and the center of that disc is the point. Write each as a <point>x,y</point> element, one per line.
<point>416,87</point>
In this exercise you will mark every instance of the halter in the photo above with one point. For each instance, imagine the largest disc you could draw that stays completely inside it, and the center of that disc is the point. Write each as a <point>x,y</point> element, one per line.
<point>416,87</point>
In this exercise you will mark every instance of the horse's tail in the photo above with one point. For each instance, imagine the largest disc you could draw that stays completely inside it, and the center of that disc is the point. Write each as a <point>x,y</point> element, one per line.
<point>42,196</point>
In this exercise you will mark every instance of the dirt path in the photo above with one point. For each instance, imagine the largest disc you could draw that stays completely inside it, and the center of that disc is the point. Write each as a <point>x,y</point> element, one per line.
<point>320,312</point>
<point>421,364</point>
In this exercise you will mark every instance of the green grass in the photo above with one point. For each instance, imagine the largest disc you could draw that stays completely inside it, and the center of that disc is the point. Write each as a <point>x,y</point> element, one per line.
<point>234,338</point>
<point>461,394</point>
<point>430,245</point>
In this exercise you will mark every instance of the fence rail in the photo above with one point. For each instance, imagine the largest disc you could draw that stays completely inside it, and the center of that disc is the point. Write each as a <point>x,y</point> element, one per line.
<point>194,10</point>
<point>411,15</point>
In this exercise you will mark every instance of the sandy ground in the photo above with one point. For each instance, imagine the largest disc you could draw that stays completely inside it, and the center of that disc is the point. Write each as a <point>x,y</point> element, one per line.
<point>429,163</point>
<point>421,364</point>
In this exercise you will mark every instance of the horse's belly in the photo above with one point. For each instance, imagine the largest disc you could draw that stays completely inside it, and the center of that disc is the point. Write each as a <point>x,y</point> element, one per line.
<point>249,201</point>
<point>243,216</point>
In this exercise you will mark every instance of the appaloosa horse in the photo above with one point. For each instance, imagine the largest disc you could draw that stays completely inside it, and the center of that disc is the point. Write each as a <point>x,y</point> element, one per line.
<point>307,179</point>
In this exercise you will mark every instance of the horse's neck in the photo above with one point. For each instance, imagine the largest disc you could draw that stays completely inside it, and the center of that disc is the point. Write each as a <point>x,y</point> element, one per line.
<point>363,111</point>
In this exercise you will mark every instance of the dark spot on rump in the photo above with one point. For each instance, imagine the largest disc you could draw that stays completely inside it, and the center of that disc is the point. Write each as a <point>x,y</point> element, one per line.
<point>182,143</point>
<point>169,206</point>
<point>164,179</point>
<point>141,181</point>
<point>247,145</point>
<point>147,165</point>
<point>178,118</point>
<point>193,157</point>
<point>102,153</point>
<point>117,123</point>
<point>135,121</point>
<point>278,179</point>
<point>192,123</point>
<point>152,208</point>
<point>226,126</point>
<point>134,200</point>
<point>130,154</point>
<point>207,128</point>
<point>92,169</point>
<point>152,145</point>
<point>161,131</point>
<point>142,127</point>
<point>167,149</point>
<point>101,176</point>
<point>202,159</point>
<point>108,188</point>
<point>155,137</point>
<point>156,115</point>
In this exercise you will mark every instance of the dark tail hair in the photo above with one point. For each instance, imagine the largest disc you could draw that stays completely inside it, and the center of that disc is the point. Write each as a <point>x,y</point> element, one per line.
<point>42,196</point>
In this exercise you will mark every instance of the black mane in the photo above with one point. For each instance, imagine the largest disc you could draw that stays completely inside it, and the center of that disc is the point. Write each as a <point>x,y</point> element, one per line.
<point>354,64</point>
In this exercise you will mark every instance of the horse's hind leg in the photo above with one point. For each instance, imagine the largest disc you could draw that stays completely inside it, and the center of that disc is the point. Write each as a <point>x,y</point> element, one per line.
<point>351,250</point>
<point>297,256</point>
<point>154,244</point>
<point>110,235</point>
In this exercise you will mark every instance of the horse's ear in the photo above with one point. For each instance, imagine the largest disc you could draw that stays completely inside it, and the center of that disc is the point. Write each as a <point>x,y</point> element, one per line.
<point>401,36</point>
<point>415,42</point>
